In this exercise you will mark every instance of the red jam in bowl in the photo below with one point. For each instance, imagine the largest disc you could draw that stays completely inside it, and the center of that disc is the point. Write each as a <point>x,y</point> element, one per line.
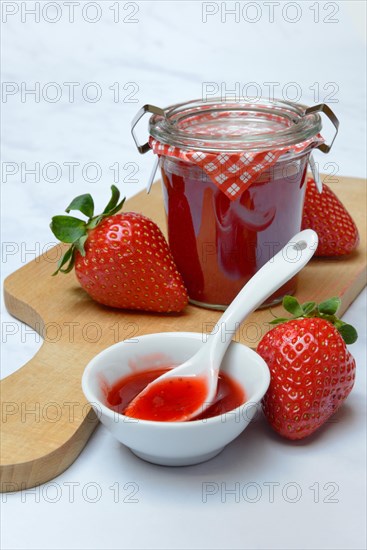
<point>175,397</point>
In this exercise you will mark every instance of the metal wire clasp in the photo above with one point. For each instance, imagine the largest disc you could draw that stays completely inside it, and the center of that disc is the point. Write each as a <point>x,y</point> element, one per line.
<point>145,109</point>
<point>322,107</point>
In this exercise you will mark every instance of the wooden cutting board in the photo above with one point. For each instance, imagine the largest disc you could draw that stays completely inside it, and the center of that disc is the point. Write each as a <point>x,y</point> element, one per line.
<point>45,419</point>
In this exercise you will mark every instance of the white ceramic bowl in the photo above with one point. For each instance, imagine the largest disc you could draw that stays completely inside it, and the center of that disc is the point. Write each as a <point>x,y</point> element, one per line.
<point>174,443</point>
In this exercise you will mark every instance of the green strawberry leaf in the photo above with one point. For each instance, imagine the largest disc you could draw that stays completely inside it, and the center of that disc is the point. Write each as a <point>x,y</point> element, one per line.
<point>69,255</point>
<point>68,229</point>
<point>70,265</point>
<point>79,244</point>
<point>117,208</point>
<point>113,200</point>
<point>278,320</point>
<point>112,207</point>
<point>308,307</point>
<point>94,221</point>
<point>330,307</point>
<point>83,203</point>
<point>348,333</point>
<point>291,304</point>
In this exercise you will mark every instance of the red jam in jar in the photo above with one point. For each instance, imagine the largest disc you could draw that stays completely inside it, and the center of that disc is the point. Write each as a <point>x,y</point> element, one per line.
<point>219,244</point>
<point>233,178</point>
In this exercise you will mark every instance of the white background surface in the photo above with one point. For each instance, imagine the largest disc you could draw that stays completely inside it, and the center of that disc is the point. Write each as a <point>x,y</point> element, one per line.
<point>165,57</point>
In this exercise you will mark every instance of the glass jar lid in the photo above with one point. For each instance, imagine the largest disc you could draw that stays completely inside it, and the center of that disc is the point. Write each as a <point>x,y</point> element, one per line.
<point>217,125</point>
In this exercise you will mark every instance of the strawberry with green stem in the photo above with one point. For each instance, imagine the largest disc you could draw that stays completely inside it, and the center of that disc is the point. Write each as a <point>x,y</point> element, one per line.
<point>122,260</point>
<point>312,371</point>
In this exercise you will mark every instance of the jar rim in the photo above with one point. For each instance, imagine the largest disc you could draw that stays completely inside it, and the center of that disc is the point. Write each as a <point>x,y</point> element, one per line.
<point>230,125</point>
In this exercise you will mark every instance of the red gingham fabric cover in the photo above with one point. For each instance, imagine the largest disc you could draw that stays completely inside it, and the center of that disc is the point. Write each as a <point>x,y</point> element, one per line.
<point>233,173</point>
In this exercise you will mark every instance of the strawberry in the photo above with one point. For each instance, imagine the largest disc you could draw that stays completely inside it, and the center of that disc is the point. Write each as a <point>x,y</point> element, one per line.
<point>325,214</point>
<point>121,259</point>
<point>312,371</point>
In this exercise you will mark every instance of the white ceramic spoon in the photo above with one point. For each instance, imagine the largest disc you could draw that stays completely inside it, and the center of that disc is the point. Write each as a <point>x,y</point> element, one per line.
<point>206,362</point>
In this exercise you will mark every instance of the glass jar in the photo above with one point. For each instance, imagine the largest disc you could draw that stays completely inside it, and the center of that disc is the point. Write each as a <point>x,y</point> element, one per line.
<point>233,179</point>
